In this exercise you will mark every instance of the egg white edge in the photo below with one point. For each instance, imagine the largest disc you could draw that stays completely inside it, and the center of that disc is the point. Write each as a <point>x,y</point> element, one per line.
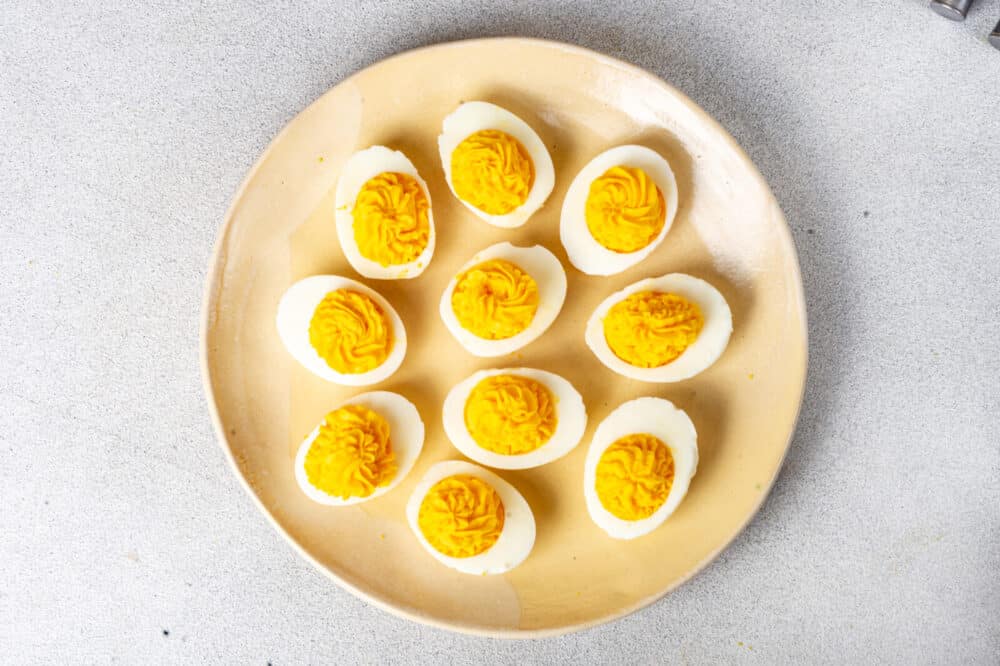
<point>385,404</point>
<point>714,336</point>
<point>551,296</point>
<point>461,123</point>
<point>357,170</point>
<point>675,429</point>
<point>583,251</point>
<point>295,311</point>
<point>566,437</point>
<point>519,530</point>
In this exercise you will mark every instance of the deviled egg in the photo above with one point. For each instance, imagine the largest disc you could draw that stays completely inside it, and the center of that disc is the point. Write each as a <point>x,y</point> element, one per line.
<point>618,209</point>
<point>383,215</point>
<point>470,519</point>
<point>495,164</point>
<point>341,330</point>
<point>661,329</point>
<point>639,466</point>
<point>514,418</point>
<point>503,298</point>
<point>361,450</point>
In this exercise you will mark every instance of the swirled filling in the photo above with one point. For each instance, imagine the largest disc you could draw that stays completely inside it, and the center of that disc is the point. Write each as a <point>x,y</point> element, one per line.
<point>352,454</point>
<point>495,300</point>
<point>461,516</point>
<point>634,476</point>
<point>350,332</point>
<point>391,224</point>
<point>625,210</point>
<point>492,171</point>
<point>649,329</point>
<point>510,415</point>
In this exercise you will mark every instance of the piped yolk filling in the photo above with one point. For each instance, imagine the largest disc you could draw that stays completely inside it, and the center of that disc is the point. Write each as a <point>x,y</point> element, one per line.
<point>461,516</point>
<point>391,224</point>
<point>510,415</point>
<point>649,329</point>
<point>350,332</point>
<point>634,476</point>
<point>495,300</point>
<point>352,454</point>
<point>492,171</point>
<point>625,210</point>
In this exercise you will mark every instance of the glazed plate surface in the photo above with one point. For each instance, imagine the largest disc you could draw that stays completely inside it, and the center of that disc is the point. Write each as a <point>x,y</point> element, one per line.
<point>728,230</point>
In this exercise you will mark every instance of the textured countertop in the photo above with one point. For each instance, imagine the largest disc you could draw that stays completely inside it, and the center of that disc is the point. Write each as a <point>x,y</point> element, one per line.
<point>124,132</point>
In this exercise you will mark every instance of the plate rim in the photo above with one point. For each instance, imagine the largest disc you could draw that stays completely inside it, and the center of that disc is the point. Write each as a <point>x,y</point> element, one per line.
<point>213,282</point>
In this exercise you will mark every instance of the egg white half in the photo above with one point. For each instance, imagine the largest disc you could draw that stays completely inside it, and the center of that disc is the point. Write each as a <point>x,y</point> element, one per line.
<point>472,117</point>
<point>571,421</point>
<point>543,267</point>
<point>657,417</point>
<point>582,249</point>
<point>296,310</point>
<point>702,353</point>
<point>516,539</point>
<point>361,167</point>
<point>406,433</point>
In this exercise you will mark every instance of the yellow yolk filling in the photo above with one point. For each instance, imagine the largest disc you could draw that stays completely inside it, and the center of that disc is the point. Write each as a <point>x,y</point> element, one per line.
<point>352,455</point>
<point>391,225</point>
<point>350,332</point>
<point>492,171</point>
<point>625,210</point>
<point>649,329</point>
<point>510,415</point>
<point>495,300</point>
<point>461,516</point>
<point>634,476</point>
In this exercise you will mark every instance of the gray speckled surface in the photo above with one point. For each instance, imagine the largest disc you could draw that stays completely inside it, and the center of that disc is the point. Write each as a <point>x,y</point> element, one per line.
<point>125,131</point>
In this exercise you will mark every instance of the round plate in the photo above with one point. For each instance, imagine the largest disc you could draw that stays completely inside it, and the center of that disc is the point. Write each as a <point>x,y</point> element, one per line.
<point>728,230</point>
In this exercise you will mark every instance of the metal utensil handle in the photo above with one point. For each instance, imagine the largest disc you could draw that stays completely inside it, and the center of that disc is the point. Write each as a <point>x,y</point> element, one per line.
<point>952,9</point>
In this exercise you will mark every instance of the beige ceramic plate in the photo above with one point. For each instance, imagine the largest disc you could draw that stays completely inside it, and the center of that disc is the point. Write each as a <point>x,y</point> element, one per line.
<point>728,230</point>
